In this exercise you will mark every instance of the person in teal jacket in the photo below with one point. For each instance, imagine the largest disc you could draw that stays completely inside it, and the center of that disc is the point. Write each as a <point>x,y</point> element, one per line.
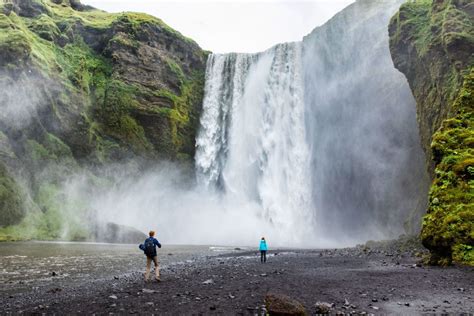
<point>263,250</point>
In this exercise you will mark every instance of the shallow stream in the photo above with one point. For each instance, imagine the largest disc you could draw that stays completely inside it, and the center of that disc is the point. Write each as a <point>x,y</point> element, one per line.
<point>30,265</point>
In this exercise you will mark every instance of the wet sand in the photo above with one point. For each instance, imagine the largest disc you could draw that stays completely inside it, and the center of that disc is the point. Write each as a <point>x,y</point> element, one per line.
<point>354,280</point>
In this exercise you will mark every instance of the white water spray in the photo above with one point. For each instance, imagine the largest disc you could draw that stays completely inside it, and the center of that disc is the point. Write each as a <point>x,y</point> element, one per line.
<point>252,143</point>
<point>311,144</point>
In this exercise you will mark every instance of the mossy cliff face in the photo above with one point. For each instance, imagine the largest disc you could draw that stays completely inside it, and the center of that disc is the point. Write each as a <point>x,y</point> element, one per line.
<point>81,88</point>
<point>432,43</point>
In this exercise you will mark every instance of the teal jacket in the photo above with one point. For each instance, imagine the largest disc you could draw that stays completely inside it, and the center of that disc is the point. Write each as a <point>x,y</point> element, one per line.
<point>263,245</point>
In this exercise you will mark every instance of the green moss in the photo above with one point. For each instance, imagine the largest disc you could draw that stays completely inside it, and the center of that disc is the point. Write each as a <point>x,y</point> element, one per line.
<point>449,224</point>
<point>176,69</point>
<point>12,208</point>
<point>49,200</point>
<point>15,47</point>
<point>38,152</point>
<point>125,40</point>
<point>431,24</point>
<point>85,70</point>
<point>115,113</point>
<point>67,48</point>
<point>45,27</point>
<point>51,148</point>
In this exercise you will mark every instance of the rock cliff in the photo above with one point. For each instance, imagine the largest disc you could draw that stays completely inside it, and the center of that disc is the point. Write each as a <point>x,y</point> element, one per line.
<point>81,88</point>
<point>432,43</point>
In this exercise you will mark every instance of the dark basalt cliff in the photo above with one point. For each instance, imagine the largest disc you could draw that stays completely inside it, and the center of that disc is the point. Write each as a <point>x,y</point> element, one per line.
<point>81,88</point>
<point>432,43</point>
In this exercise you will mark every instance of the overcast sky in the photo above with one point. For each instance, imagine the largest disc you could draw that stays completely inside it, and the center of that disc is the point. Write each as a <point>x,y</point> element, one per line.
<point>223,26</point>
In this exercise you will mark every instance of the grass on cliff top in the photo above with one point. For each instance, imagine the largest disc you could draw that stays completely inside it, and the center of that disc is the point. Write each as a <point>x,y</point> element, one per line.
<point>432,23</point>
<point>448,227</point>
<point>102,20</point>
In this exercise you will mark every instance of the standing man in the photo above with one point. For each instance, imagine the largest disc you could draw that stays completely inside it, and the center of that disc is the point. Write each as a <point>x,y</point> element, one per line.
<point>149,247</point>
<point>263,250</point>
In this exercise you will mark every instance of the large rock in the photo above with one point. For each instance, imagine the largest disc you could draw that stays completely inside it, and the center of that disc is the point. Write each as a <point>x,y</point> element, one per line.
<point>282,305</point>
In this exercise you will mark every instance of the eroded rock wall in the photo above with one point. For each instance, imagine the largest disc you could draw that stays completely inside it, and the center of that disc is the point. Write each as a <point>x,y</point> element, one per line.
<point>81,88</point>
<point>432,43</point>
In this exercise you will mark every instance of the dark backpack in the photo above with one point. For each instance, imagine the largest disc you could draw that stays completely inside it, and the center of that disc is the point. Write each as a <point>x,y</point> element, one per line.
<point>150,249</point>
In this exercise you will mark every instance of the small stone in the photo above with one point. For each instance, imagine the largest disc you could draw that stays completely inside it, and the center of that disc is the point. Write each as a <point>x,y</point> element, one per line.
<point>375,307</point>
<point>54,274</point>
<point>231,296</point>
<point>407,304</point>
<point>322,308</point>
<point>210,281</point>
<point>375,300</point>
<point>55,290</point>
<point>116,277</point>
<point>212,307</point>
<point>148,291</point>
<point>114,297</point>
<point>263,275</point>
<point>150,303</point>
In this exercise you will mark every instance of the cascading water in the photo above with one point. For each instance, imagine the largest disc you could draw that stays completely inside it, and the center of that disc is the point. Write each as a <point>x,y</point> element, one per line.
<point>311,144</point>
<point>252,143</point>
<point>320,134</point>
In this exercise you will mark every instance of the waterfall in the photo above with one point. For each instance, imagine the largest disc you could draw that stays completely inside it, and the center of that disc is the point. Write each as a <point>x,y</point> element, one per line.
<point>252,143</point>
<point>320,134</point>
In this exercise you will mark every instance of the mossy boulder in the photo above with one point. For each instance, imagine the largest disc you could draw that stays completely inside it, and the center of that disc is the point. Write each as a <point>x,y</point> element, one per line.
<point>432,43</point>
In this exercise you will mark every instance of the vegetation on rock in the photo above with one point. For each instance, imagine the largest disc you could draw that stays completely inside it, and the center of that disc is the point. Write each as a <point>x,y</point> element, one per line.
<point>432,44</point>
<point>87,88</point>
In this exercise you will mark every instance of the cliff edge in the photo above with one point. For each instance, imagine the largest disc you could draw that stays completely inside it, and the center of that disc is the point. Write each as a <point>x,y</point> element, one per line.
<point>432,43</point>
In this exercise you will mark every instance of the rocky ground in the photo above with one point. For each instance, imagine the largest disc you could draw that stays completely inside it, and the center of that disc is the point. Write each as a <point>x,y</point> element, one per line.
<point>361,280</point>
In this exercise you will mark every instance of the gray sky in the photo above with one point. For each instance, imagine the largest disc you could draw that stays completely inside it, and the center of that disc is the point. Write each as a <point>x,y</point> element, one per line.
<point>223,26</point>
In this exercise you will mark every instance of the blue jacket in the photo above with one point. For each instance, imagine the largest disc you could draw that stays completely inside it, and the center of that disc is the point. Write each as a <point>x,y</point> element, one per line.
<point>263,245</point>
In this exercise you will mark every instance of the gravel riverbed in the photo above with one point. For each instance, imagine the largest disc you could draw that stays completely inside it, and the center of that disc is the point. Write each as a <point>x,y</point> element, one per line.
<point>354,280</point>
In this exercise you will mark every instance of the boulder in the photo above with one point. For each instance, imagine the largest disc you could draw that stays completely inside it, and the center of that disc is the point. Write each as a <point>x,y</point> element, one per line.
<point>282,305</point>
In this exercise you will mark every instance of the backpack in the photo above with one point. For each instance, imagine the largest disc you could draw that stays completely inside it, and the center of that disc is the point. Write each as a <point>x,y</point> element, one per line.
<point>150,249</point>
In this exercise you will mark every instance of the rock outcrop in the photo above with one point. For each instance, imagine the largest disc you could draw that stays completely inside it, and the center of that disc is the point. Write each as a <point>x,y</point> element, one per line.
<point>80,88</point>
<point>432,43</point>
<point>282,305</point>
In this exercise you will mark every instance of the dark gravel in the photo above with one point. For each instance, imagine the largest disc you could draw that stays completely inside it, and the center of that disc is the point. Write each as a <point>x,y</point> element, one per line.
<point>357,280</point>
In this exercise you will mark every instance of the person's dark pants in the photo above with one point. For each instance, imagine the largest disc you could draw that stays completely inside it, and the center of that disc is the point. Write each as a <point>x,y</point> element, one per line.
<point>263,256</point>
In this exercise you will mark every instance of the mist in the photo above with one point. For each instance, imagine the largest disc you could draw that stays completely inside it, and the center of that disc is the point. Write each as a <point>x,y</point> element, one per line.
<point>310,144</point>
<point>20,100</point>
